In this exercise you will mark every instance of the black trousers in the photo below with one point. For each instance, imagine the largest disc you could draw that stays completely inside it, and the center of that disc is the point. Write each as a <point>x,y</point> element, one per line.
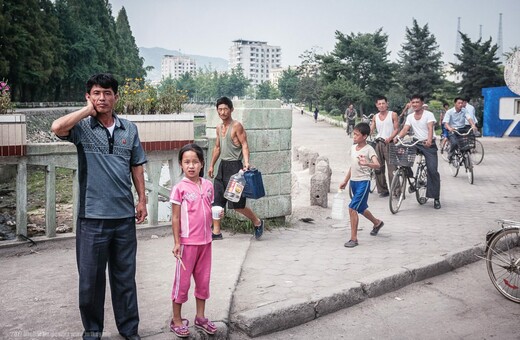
<point>433,186</point>
<point>98,243</point>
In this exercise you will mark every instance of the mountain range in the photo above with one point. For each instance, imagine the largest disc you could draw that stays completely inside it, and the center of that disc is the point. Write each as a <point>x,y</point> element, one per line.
<point>153,56</point>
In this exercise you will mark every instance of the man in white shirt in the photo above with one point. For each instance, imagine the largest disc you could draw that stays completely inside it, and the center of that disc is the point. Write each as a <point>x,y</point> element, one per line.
<point>471,111</point>
<point>387,125</point>
<point>422,123</point>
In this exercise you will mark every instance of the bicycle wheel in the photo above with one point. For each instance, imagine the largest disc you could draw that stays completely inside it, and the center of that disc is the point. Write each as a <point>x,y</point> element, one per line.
<point>421,180</point>
<point>503,263</point>
<point>372,180</point>
<point>469,166</point>
<point>397,191</point>
<point>445,149</point>
<point>454,165</point>
<point>477,153</point>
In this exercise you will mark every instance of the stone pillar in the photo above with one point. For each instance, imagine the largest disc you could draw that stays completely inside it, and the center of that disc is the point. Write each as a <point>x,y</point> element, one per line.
<point>268,128</point>
<point>50,201</point>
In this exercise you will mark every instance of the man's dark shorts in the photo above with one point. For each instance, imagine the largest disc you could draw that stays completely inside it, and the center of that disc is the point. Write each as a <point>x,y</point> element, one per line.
<point>226,169</point>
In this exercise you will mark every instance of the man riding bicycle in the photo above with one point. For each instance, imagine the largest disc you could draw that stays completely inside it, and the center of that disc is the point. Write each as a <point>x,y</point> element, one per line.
<point>422,122</point>
<point>350,118</point>
<point>455,119</point>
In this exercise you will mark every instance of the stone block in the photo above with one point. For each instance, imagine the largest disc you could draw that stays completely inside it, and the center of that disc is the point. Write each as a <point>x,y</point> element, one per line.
<point>272,162</point>
<point>386,281</point>
<point>303,153</point>
<point>323,167</point>
<point>312,162</point>
<point>319,189</point>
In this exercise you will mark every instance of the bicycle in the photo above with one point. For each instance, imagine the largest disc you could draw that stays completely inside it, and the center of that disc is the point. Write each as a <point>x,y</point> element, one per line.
<point>367,119</point>
<point>477,152</point>
<point>503,259</point>
<point>462,155</point>
<point>350,126</point>
<point>402,155</point>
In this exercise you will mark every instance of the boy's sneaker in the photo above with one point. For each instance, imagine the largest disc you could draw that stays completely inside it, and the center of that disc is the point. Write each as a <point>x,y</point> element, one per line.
<point>351,244</point>
<point>215,237</point>
<point>259,230</point>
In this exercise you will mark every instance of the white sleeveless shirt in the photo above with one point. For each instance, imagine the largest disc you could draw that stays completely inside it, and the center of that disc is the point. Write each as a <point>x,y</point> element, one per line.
<point>384,128</point>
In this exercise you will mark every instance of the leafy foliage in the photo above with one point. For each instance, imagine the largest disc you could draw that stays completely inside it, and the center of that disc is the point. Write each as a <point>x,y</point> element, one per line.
<point>479,66</point>
<point>420,62</point>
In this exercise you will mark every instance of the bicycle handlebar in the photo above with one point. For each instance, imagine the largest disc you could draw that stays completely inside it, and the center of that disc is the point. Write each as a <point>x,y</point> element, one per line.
<point>402,142</point>
<point>462,134</point>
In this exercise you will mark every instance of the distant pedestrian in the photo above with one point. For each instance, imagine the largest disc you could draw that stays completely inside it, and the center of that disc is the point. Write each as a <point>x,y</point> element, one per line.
<point>191,200</point>
<point>302,111</point>
<point>110,158</point>
<point>316,114</point>
<point>363,158</point>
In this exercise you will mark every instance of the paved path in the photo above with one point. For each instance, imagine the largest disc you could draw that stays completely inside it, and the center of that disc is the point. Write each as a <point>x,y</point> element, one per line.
<point>294,274</point>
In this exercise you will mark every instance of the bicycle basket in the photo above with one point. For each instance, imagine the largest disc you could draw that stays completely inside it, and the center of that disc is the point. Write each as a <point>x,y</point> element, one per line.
<point>402,155</point>
<point>466,142</point>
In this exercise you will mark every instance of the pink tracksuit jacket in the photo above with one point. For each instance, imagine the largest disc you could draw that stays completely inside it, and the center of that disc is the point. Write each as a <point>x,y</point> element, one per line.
<point>195,238</point>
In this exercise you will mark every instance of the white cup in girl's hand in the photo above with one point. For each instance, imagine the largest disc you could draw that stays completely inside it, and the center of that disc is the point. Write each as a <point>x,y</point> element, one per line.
<point>215,211</point>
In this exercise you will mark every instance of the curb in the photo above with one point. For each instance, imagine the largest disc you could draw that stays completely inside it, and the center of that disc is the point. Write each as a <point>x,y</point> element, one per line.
<point>290,313</point>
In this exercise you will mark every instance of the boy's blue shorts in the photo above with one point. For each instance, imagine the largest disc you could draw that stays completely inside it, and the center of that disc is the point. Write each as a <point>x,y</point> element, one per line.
<point>360,192</point>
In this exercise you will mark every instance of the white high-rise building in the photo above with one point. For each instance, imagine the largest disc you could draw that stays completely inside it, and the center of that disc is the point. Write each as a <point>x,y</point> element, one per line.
<point>175,66</point>
<point>256,58</point>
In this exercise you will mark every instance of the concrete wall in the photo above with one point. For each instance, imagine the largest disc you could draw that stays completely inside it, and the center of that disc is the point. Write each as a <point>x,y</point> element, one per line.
<point>268,128</point>
<point>501,112</point>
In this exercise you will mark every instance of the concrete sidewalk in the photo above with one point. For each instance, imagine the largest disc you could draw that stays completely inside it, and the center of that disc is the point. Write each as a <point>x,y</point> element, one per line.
<point>292,275</point>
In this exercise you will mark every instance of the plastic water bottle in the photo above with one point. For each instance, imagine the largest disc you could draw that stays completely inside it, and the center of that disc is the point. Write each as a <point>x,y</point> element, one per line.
<point>235,187</point>
<point>338,204</point>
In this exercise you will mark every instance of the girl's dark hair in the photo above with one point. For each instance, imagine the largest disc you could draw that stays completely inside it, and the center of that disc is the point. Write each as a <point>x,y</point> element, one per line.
<point>198,151</point>
<point>363,128</point>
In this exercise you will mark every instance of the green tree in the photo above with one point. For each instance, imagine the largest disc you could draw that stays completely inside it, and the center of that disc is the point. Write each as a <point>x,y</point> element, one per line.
<point>310,85</point>
<point>361,59</point>
<point>420,62</point>
<point>288,84</point>
<point>238,82</point>
<point>29,47</point>
<point>128,53</point>
<point>338,94</point>
<point>266,90</point>
<point>186,82</point>
<point>479,66</point>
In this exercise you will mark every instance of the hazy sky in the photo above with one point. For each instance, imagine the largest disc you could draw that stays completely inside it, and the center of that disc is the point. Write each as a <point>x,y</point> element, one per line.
<point>208,27</point>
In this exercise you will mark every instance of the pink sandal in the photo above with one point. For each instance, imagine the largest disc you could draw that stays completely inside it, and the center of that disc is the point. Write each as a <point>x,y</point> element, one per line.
<point>205,325</point>
<point>180,331</point>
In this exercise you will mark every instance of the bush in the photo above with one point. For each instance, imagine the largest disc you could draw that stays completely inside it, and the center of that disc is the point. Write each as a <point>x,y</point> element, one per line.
<point>335,112</point>
<point>5,98</point>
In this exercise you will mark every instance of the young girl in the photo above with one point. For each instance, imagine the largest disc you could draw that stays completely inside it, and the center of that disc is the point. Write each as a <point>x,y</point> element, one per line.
<point>191,200</point>
<point>363,158</point>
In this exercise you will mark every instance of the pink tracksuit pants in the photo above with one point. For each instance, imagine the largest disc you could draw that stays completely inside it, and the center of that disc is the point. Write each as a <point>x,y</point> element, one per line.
<point>197,261</point>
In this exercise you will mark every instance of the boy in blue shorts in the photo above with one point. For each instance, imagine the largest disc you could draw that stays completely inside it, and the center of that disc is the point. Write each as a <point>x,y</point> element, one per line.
<point>363,158</point>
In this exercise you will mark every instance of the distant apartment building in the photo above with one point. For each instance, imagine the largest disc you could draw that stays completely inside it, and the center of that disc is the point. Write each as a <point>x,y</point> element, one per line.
<point>256,58</point>
<point>175,66</point>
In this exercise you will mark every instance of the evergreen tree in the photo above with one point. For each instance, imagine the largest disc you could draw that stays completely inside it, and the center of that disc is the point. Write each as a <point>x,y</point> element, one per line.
<point>420,62</point>
<point>362,59</point>
<point>479,66</point>
<point>288,84</point>
<point>128,52</point>
<point>238,82</point>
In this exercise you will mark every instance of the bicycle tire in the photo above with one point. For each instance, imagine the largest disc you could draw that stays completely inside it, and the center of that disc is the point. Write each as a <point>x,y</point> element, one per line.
<point>454,165</point>
<point>503,262</point>
<point>469,167</point>
<point>445,149</point>
<point>397,191</point>
<point>477,153</point>
<point>372,180</point>
<point>421,182</point>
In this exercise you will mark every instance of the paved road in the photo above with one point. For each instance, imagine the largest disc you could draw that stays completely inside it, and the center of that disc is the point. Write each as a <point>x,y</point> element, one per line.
<point>294,275</point>
<point>462,304</point>
<point>308,263</point>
